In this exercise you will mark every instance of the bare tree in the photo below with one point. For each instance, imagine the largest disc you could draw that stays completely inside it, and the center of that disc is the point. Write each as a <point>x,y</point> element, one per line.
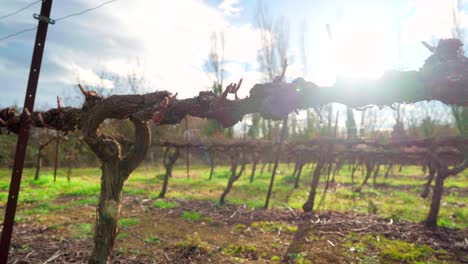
<point>459,113</point>
<point>274,41</point>
<point>214,68</point>
<point>373,121</point>
<point>136,80</point>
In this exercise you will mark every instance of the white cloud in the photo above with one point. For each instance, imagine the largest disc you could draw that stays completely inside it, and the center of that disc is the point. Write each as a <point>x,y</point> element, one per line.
<point>171,38</point>
<point>229,7</point>
<point>175,36</point>
<point>85,76</point>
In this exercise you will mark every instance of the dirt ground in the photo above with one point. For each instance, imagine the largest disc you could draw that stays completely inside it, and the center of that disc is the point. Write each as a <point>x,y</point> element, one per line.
<point>234,234</point>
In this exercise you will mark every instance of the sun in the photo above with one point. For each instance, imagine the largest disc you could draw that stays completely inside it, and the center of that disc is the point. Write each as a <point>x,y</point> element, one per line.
<point>361,52</point>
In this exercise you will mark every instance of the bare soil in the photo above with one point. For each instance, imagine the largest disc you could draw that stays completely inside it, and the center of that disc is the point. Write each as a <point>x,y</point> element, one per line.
<point>229,234</point>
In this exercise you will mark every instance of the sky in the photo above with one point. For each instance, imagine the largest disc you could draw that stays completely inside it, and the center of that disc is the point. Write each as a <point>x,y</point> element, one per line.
<point>167,42</point>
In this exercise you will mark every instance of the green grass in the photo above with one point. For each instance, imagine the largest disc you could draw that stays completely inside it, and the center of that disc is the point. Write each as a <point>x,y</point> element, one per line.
<point>273,227</point>
<point>82,230</point>
<point>388,250</point>
<point>164,204</point>
<point>191,216</point>
<point>237,250</point>
<point>87,201</point>
<point>396,197</point>
<point>128,222</point>
<point>152,240</point>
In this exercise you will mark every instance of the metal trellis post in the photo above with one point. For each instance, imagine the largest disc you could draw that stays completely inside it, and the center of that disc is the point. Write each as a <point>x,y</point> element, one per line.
<point>23,135</point>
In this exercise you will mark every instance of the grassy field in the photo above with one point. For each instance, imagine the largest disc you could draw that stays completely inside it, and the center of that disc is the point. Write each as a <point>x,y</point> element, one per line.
<point>68,208</point>
<point>396,197</point>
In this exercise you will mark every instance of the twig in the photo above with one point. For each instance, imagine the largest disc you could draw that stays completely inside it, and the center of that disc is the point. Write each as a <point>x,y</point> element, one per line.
<point>83,90</point>
<point>26,112</point>
<point>428,46</point>
<point>29,254</point>
<point>56,255</point>
<point>59,107</point>
<point>41,120</point>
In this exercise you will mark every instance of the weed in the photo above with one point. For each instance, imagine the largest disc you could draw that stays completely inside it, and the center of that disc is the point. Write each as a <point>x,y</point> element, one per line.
<point>82,230</point>
<point>240,227</point>
<point>122,235</point>
<point>87,201</point>
<point>388,250</point>
<point>153,240</point>
<point>272,227</point>
<point>135,251</point>
<point>134,191</point>
<point>191,216</point>
<point>239,251</point>
<point>193,245</point>
<point>128,222</point>
<point>298,258</point>
<point>164,205</point>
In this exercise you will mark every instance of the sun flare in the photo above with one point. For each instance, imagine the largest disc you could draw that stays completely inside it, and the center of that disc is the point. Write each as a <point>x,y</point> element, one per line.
<point>361,52</point>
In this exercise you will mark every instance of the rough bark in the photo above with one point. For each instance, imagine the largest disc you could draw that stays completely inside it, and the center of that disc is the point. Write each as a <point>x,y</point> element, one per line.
<point>389,167</point>
<point>430,178</point>
<point>39,157</point>
<point>116,168</point>
<point>353,171</point>
<point>69,171</point>
<point>309,204</point>
<point>296,167</point>
<point>212,166</point>
<point>56,155</point>
<point>369,164</point>
<point>263,168</point>
<point>234,176</point>
<point>327,185</point>
<point>256,158</point>
<point>376,173</point>
<point>38,164</point>
<point>298,176</point>
<point>431,219</point>
<point>108,211</point>
<point>168,161</point>
<point>442,172</point>
<point>277,158</point>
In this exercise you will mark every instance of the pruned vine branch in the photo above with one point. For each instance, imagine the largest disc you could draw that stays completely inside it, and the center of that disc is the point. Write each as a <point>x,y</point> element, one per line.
<point>443,77</point>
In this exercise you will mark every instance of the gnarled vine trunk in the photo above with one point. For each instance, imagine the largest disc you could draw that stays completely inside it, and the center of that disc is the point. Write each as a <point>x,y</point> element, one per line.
<point>353,170</point>
<point>390,166</point>
<point>256,159</point>
<point>442,172</point>
<point>369,169</point>
<point>309,204</point>
<point>212,166</point>
<point>169,160</point>
<point>431,219</point>
<point>39,157</point>
<point>430,178</point>
<point>116,167</point>
<point>38,164</point>
<point>108,211</point>
<point>298,176</point>
<point>234,176</point>
<point>376,173</point>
